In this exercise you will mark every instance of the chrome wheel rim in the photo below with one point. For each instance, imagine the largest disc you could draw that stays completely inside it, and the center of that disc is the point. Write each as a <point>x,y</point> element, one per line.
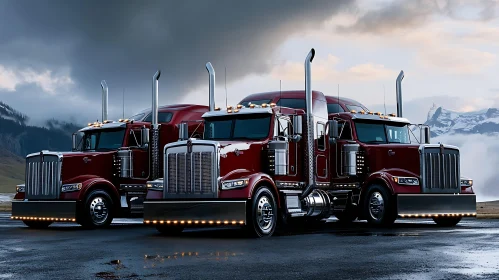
<point>98,210</point>
<point>264,214</point>
<point>376,206</point>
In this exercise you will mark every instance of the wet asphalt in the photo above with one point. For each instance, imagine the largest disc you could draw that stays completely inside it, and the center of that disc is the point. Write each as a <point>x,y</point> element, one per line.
<point>412,249</point>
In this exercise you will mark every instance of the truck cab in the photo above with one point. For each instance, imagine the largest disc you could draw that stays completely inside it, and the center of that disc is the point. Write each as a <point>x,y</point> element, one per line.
<point>105,174</point>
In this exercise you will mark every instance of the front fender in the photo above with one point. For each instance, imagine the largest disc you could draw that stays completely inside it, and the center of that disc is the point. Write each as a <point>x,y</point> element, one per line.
<point>94,183</point>
<point>385,177</point>
<point>255,180</point>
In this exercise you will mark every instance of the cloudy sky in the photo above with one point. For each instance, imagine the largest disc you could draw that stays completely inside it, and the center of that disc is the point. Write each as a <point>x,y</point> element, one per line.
<point>53,54</point>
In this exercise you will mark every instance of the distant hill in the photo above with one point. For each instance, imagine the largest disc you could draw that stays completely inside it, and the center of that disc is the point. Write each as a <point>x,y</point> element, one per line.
<point>17,139</point>
<point>11,171</point>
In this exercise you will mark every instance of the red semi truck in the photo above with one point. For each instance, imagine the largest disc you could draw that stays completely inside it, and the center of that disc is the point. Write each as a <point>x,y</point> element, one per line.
<point>106,173</point>
<point>264,164</point>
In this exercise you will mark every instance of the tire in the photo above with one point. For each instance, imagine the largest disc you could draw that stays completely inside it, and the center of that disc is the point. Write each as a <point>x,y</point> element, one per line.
<point>37,224</point>
<point>262,214</point>
<point>447,221</point>
<point>169,230</point>
<point>379,206</point>
<point>97,211</point>
<point>347,216</point>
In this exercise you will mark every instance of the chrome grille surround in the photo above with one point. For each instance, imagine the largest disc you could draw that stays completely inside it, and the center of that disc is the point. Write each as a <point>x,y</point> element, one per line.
<point>43,175</point>
<point>440,168</point>
<point>191,170</point>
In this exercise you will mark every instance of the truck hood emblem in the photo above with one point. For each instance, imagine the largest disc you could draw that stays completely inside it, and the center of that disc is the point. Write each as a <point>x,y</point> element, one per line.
<point>86,160</point>
<point>189,146</point>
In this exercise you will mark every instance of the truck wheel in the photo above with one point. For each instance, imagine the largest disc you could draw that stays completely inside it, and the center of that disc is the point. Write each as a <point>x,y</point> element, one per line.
<point>37,224</point>
<point>447,221</point>
<point>379,206</point>
<point>169,230</point>
<point>262,214</point>
<point>97,211</point>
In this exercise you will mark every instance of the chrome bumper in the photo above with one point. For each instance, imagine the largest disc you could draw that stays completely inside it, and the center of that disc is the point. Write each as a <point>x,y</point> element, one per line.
<point>195,212</point>
<point>433,205</point>
<point>61,211</point>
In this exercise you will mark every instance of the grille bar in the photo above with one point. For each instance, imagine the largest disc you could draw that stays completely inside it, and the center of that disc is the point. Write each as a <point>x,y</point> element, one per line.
<point>440,170</point>
<point>43,176</point>
<point>190,174</point>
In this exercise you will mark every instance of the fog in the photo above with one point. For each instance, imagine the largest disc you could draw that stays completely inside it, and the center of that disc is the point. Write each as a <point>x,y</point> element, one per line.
<point>479,161</point>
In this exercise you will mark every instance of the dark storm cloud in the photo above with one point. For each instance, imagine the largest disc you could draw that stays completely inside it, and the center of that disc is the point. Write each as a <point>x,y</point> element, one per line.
<point>405,14</point>
<point>125,42</point>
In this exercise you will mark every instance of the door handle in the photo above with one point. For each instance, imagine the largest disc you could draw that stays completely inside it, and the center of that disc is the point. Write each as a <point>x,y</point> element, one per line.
<point>391,153</point>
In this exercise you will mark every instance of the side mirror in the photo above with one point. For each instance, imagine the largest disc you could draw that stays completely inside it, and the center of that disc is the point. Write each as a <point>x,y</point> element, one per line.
<point>426,133</point>
<point>333,129</point>
<point>183,131</point>
<point>297,125</point>
<point>75,143</point>
<point>144,135</point>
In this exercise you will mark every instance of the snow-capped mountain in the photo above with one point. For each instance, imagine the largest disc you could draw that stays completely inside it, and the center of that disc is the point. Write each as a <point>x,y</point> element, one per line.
<point>443,121</point>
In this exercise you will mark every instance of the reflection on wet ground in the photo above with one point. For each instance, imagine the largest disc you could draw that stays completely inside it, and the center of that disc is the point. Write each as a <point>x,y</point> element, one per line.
<point>411,249</point>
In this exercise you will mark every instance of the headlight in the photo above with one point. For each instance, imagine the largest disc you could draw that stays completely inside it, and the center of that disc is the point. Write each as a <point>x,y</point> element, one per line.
<point>466,182</point>
<point>411,181</point>
<point>20,188</point>
<point>155,185</point>
<point>234,184</point>
<point>71,187</point>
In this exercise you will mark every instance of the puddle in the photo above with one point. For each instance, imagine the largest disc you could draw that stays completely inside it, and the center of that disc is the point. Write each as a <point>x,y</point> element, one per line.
<point>112,275</point>
<point>365,233</point>
<point>153,260</point>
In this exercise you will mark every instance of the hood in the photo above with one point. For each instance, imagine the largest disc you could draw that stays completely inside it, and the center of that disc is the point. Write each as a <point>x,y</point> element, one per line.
<point>238,158</point>
<point>80,166</point>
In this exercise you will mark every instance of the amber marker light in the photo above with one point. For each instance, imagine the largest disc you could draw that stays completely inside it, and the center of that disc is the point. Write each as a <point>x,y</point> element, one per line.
<point>239,106</point>
<point>252,106</point>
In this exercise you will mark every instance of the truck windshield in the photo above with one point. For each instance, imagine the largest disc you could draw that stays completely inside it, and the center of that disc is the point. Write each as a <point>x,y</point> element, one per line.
<point>254,127</point>
<point>369,132</point>
<point>103,140</point>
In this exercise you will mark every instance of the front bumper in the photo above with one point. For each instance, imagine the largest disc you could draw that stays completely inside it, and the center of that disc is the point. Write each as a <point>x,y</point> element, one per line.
<point>436,205</point>
<point>195,212</point>
<point>57,211</point>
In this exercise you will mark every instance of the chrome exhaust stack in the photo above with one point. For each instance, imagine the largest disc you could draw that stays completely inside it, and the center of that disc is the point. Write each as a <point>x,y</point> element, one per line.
<point>309,153</point>
<point>155,127</point>
<point>105,97</point>
<point>399,93</point>
<point>211,100</point>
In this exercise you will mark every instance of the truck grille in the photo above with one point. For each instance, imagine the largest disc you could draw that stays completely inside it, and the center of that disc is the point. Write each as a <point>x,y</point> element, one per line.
<point>440,169</point>
<point>190,174</point>
<point>43,176</point>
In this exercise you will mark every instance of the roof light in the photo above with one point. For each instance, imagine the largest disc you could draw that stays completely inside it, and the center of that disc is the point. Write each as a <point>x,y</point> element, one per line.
<point>252,106</point>
<point>229,107</point>
<point>90,124</point>
<point>392,115</point>
<point>353,111</point>
<point>120,120</point>
<point>239,106</point>
<point>264,105</point>
<point>217,108</point>
<point>272,105</point>
<point>229,111</point>
<point>236,110</point>
<point>369,113</point>
<point>362,112</point>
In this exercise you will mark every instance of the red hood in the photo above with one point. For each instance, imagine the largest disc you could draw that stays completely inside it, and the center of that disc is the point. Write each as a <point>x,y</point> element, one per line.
<point>239,157</point>
<point>80,166</point>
